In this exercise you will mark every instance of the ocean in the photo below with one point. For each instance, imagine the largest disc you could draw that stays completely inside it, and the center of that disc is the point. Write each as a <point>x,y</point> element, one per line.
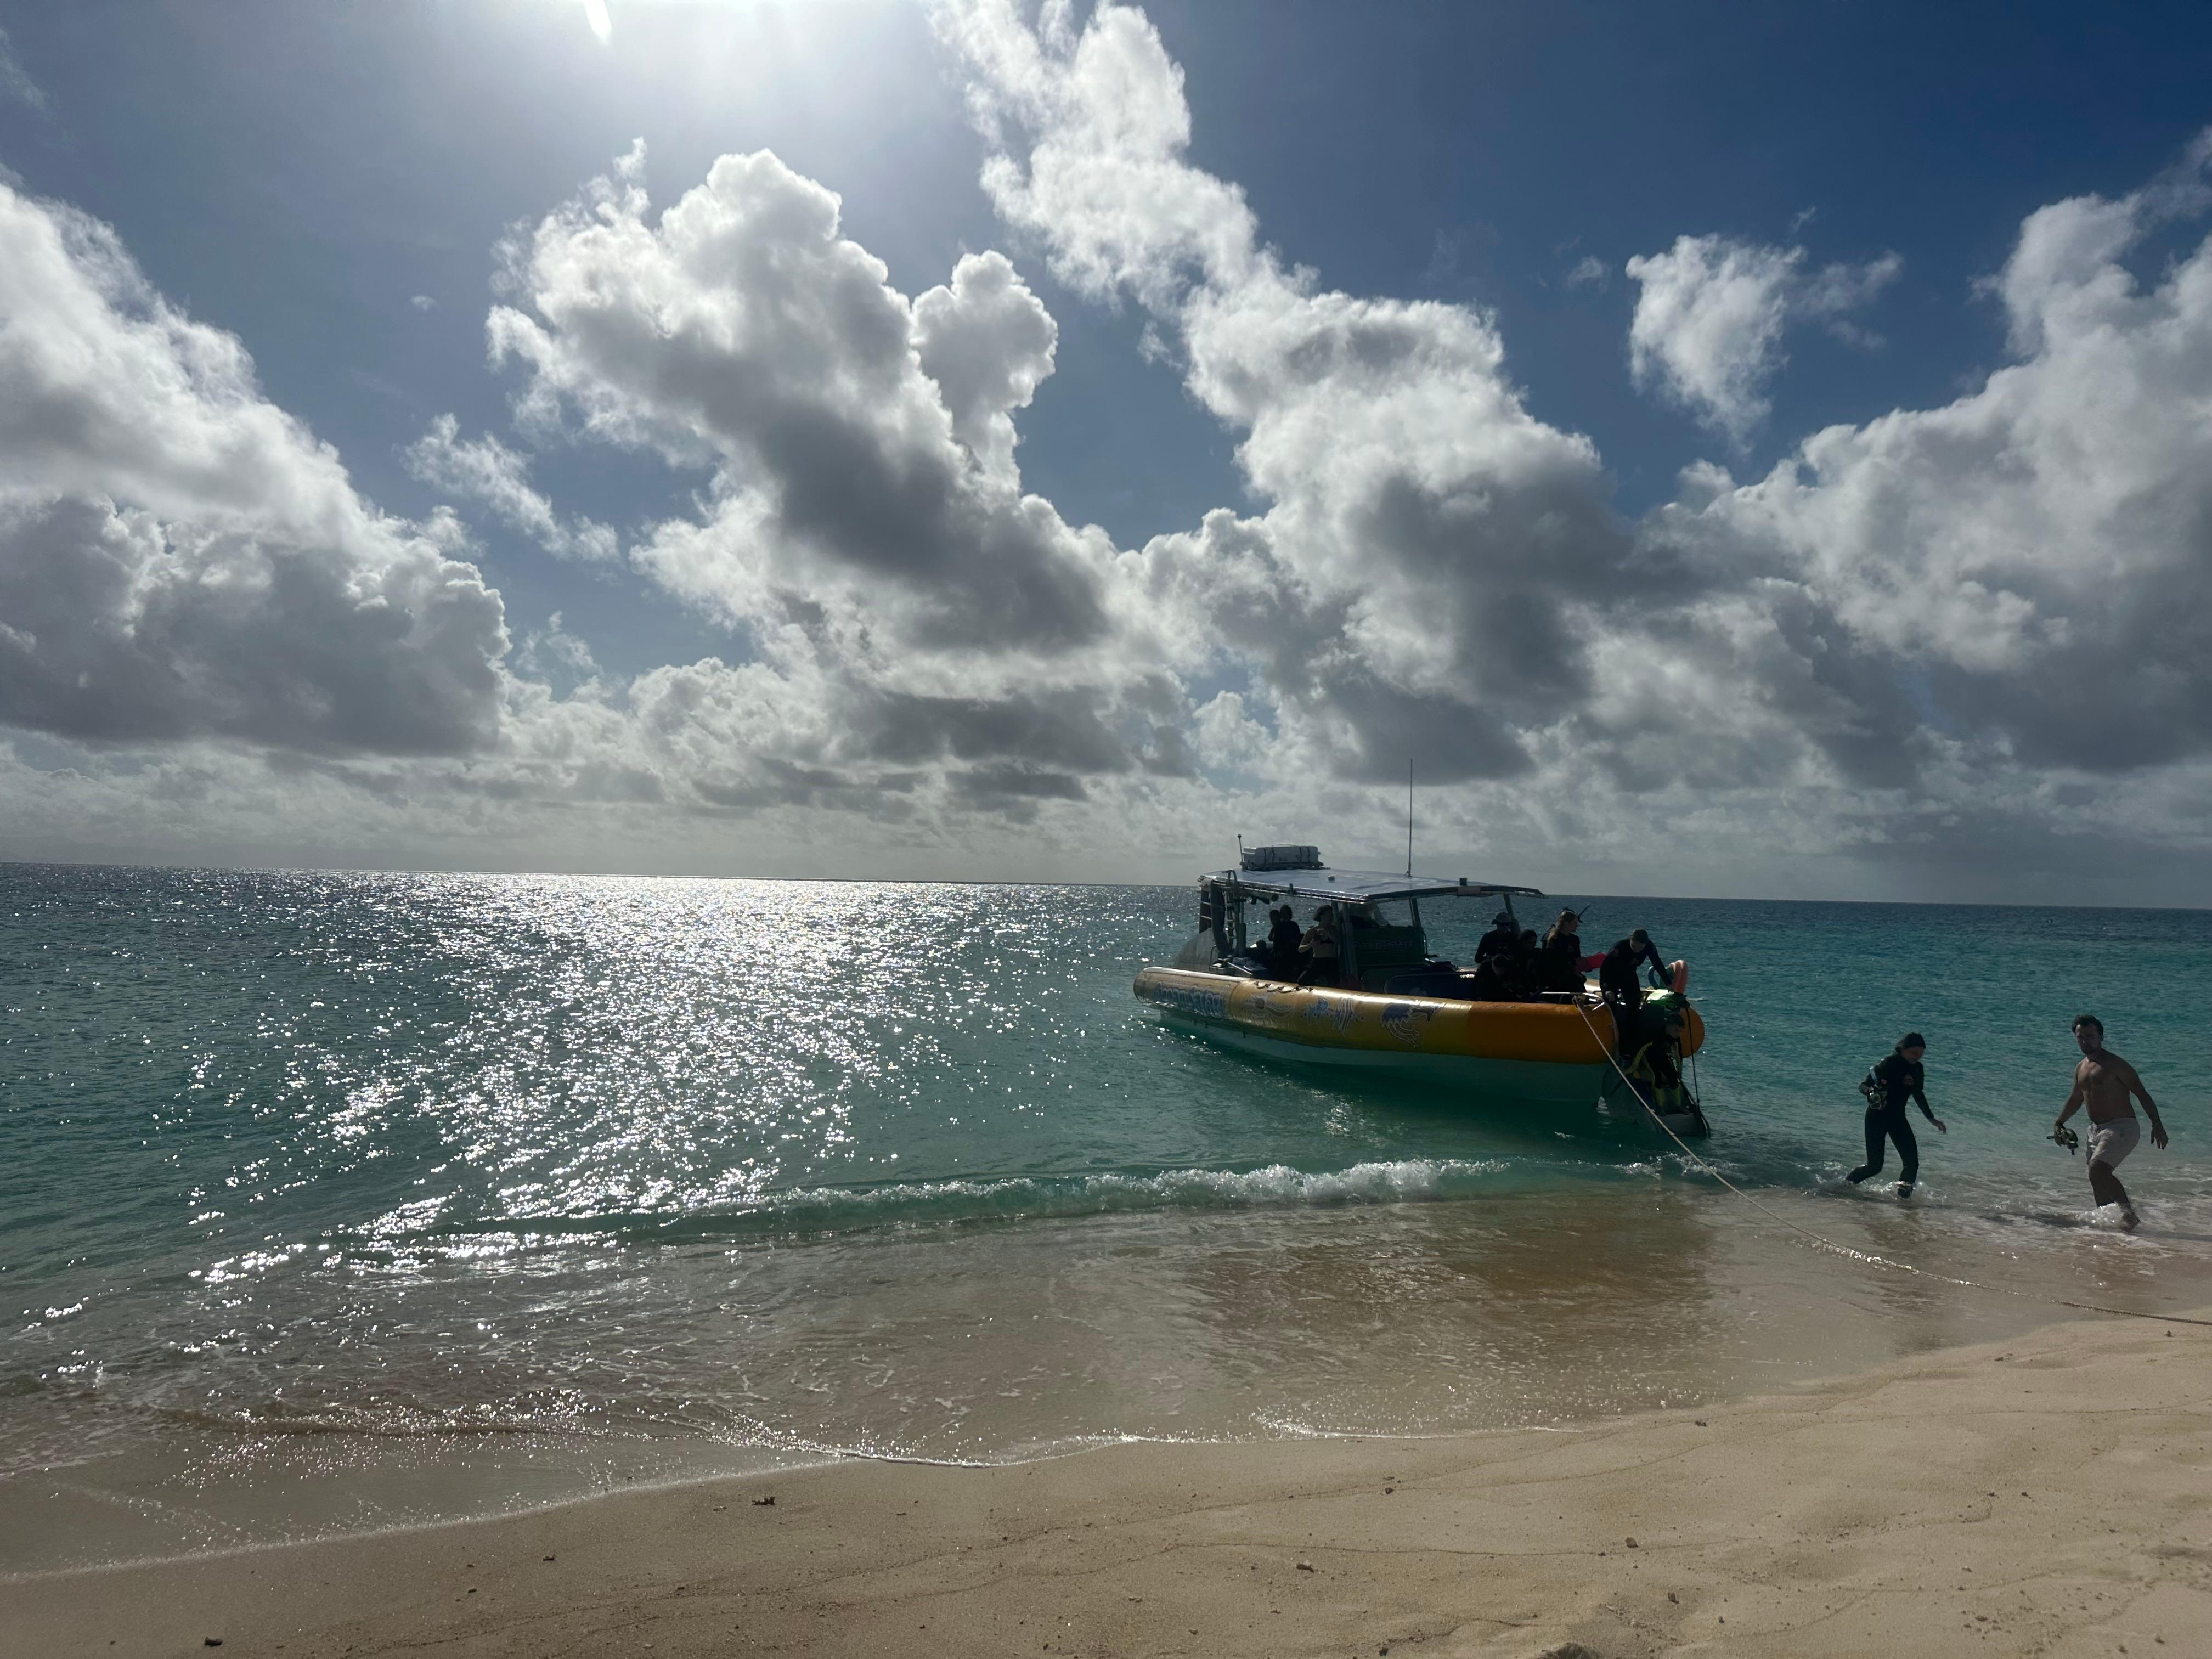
<point>336,1200</point>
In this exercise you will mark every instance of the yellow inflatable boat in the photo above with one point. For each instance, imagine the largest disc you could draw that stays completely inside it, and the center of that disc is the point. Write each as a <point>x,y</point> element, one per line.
<point>1396,1009</point>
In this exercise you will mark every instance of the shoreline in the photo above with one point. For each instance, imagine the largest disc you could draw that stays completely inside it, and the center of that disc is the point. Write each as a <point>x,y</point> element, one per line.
<point>1534,1332</point>
<point>2045,1490</point>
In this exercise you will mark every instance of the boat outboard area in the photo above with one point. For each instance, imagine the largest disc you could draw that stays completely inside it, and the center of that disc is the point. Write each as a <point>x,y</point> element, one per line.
<point>1357,987</point>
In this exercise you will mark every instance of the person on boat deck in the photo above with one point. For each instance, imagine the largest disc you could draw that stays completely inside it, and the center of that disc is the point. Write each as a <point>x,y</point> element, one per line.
<point>1623,991</point>
<point>1528,961</point>
<point>1283,938</point>
<point>1321,950</point>
<point>1502,939</point>
<point>1494,981</point>
<point>1894,1080</point>
<point>1561,963</point>
<point>1508,976</point>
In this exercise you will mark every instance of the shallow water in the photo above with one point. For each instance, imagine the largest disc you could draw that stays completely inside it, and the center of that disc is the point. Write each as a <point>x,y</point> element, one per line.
<point>334,1199</point>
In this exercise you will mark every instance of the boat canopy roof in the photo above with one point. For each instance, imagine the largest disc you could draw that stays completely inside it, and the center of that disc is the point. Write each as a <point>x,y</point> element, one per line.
<point>1362,885</point>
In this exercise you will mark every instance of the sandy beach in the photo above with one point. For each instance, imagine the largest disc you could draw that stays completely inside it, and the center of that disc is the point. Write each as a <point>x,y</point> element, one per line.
<point>2052,1494</point>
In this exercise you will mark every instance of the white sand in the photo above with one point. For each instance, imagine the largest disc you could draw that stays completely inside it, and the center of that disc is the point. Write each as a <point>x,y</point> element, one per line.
<point>2049,1495</point>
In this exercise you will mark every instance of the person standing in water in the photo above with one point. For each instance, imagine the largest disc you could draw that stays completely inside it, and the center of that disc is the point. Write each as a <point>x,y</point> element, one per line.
<point>1896,1078</point>
<point>2103,1081</point>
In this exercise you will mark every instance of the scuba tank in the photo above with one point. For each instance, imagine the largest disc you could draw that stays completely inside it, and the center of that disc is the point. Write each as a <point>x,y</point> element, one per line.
<point>1655,1075</point>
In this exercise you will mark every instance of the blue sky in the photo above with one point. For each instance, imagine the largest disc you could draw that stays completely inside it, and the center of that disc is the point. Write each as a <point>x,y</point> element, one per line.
<point>330,186</point>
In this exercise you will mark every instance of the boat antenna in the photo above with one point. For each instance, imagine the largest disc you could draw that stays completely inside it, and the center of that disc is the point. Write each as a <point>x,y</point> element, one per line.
<point>1409,817</point>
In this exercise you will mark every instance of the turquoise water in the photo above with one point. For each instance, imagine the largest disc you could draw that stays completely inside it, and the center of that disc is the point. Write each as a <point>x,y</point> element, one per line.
<point>458,1190</point>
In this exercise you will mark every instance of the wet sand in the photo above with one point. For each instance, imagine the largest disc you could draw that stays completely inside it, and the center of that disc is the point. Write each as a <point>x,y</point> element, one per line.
<point>2051,1493</point>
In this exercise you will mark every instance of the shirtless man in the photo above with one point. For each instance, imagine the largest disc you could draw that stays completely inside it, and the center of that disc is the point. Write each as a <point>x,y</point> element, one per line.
<point>2105,1081</point>
<point>1324,954</point>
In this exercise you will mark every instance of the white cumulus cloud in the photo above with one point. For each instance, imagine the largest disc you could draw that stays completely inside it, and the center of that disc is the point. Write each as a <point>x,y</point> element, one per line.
<point>988,342</point>
<point>181,558</point>
<point>1423,577</point>
<point>2033,561</point>
<point>742,332</point>
<point>1709,316</point>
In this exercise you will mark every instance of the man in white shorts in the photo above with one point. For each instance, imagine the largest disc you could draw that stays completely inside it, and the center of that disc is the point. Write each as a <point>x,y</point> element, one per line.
<point>2105,1081</point>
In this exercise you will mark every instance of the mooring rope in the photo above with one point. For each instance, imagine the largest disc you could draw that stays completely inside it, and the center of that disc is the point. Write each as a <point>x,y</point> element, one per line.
<point>1704,1164</point>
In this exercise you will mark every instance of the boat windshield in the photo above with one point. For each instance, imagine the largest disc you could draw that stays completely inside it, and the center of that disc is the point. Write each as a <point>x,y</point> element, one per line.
<point>1380,938</point>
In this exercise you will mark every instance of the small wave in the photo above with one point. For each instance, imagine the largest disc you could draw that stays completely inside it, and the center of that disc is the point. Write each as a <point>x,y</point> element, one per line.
<point>847,1209</point>
<point>353,1421</point>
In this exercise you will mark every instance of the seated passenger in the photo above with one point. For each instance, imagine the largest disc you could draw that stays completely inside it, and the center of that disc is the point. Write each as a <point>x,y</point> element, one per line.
<point>1488,982</point>
<point>1321,951</point>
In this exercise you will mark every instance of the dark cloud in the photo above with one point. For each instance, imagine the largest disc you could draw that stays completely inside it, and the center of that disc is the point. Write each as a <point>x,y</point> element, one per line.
<point>181,559</point>
<point>987,785</point>
<point>1060,730</point>
<point>116,630</point>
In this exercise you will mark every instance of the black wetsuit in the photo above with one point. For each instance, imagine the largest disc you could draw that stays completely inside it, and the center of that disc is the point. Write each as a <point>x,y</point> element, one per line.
<point>1501,940</point>
<point>1562,959</point>
<point>1624,992</point>
<point>1897,1080</point>
<point>1487,983</point>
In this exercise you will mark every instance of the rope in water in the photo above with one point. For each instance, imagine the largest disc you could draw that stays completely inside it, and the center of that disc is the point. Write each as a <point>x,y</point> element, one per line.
<point>1705,1164</point>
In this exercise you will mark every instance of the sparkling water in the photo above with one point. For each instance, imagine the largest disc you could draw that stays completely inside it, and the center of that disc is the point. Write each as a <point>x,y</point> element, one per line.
<point>344,1200</point>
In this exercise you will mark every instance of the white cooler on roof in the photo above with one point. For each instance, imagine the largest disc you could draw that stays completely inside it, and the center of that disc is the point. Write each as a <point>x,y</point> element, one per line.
<point>1281,857</point>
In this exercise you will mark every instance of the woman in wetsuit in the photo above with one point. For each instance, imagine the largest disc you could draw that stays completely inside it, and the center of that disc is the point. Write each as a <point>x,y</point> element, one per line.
<point>1562,955</point>
<point>1894,1080</point>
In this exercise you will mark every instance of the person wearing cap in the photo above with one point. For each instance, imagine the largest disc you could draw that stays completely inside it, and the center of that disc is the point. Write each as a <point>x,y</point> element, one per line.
<point>1503,939</point>
<point>1892,1080</point>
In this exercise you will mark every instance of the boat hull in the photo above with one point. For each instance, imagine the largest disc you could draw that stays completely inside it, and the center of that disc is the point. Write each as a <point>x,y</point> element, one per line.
<point>1551,1053</point>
